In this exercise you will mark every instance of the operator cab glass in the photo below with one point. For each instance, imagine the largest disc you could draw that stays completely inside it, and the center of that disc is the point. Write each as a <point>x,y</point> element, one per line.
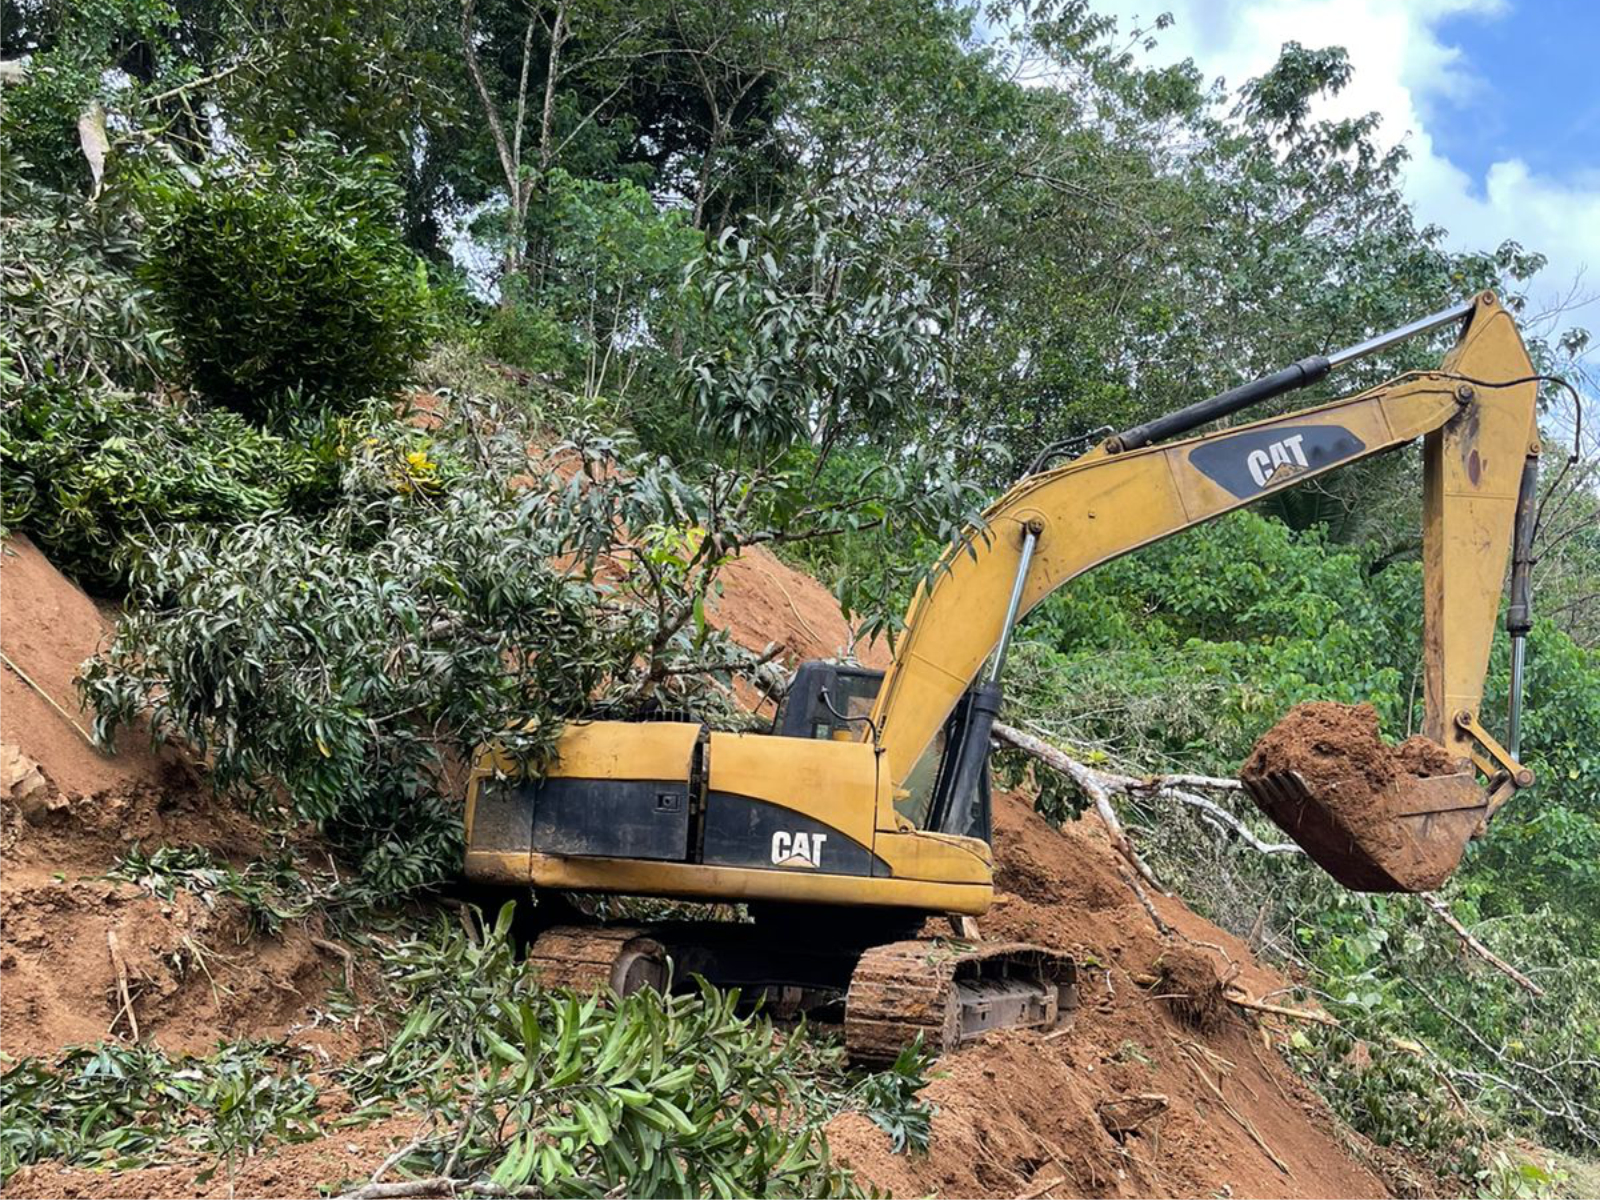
<point>828,701</point>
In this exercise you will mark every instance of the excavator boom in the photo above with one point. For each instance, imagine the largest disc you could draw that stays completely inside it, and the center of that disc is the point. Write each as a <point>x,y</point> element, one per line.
<point>1476,418</point>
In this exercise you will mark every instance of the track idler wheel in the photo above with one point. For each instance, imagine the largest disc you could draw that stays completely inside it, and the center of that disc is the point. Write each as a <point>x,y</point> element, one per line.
<point>587,958</point>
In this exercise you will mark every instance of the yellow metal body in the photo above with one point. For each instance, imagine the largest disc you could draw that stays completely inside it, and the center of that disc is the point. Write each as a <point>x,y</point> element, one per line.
<point>837,784</point>
<point>1101,506</point>
<point>1093,509</point>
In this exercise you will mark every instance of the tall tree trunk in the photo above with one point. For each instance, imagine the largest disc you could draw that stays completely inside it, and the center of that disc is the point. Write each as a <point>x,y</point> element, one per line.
<point>507,149</point>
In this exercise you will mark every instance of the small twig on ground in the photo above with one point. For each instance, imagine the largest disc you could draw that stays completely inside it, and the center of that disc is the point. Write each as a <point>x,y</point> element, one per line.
<point>1241,1000</point>
<point>1039,1189</point>
<point>1242,1121</point>
<point>1150,908</point>
<point>432,1186</point>
<point>463,1127</point>
<point>1442,911</point>
<point>122,986</point>
<point>51,701</point>
<point>443,1185</point>
<point>386,1164</point>
<point>343,953</point>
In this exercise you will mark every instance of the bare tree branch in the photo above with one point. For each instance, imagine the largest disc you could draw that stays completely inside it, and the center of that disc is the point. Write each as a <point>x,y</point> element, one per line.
<point>1442,911</point>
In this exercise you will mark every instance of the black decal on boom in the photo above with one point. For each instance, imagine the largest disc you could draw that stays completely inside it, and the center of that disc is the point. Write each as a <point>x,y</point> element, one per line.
<point>1250,463</point>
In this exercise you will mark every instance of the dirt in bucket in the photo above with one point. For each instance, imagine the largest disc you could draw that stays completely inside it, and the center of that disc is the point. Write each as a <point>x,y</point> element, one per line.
<point>1356,777</point>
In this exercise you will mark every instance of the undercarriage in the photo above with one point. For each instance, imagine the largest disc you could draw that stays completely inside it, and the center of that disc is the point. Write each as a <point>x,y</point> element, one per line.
<point>884,994</point>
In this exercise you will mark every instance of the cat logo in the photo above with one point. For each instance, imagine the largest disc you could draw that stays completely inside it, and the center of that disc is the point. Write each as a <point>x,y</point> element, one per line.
<point>797,849</point>
<point>1265,464</point>
<point>1250,461</point>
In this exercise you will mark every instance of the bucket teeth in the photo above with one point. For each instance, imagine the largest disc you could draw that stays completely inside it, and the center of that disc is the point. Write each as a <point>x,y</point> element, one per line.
<point>1278,788</point>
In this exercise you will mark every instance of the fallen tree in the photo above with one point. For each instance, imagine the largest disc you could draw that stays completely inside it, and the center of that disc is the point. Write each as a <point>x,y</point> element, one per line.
<point>1100,785</point>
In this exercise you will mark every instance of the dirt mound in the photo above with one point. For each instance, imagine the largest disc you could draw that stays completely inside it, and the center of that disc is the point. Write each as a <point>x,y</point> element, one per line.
<point>765,600</point>
<point>1186,980</point>
<point>195,973</point>
<point>1338,750</point>
<point>47,628</point>
<point>66,803</point>
<point>1157,1088</point>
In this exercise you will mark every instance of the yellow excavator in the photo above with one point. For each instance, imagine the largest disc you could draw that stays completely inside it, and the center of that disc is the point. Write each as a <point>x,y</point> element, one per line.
<point>866,809</point>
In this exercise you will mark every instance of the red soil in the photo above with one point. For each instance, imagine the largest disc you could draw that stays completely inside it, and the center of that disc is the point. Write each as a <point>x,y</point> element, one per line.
<point>765,600</point>
<point>1360,782</point>
<point>196,974</point>
<point>1339,751</point>
<point>1158,1088</point>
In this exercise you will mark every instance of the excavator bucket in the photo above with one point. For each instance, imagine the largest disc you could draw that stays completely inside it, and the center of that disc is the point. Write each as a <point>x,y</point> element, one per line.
<point>1408,837</point>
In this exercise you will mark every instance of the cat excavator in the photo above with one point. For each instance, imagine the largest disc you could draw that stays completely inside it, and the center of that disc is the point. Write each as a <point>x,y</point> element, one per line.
<point>866,809</point>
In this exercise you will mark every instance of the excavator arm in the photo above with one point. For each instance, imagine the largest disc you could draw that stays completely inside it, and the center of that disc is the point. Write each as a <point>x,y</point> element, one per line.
<point>840,843</point>
<point>1476,417</point>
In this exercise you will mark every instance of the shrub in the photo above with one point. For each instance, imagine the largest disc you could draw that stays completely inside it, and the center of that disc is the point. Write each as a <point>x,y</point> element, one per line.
<point>649,1095</point>
<point>71,306</point>
<point>116,1106</point>
<point>288,285</point>
<point>87,469</point>
<point>344,657</point>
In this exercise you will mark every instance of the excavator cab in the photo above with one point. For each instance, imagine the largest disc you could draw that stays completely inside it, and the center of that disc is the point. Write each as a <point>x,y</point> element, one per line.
<point>829,701</point>
<point>834,702</point>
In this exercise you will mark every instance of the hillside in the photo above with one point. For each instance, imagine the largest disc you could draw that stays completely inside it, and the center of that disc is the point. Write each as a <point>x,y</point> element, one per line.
<point>1150,1091</point>
<point>380,381</point>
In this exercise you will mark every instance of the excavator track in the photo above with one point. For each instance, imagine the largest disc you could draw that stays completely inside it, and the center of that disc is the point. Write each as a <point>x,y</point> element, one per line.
<point>623,958</point>
<point>945,992</point>
<point>950,992</point>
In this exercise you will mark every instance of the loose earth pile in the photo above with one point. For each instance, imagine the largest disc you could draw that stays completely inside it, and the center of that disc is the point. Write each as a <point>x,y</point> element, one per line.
<point>1360,781</point>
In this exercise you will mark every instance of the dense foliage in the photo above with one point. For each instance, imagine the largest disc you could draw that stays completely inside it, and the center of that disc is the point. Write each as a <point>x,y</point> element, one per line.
<point>71,309</point>
<point>124,1106</point>
<point>669,1096</point>
<point>89,470</point>
<point>515,1085</point>
<point>287,286</point>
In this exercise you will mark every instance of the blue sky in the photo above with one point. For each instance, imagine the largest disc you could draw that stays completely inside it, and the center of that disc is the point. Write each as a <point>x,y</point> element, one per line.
<point>1537,94</point>
<point>1498,102</point>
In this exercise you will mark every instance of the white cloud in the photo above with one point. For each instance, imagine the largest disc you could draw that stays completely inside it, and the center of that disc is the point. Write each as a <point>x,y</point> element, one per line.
<point>1405,72</point>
